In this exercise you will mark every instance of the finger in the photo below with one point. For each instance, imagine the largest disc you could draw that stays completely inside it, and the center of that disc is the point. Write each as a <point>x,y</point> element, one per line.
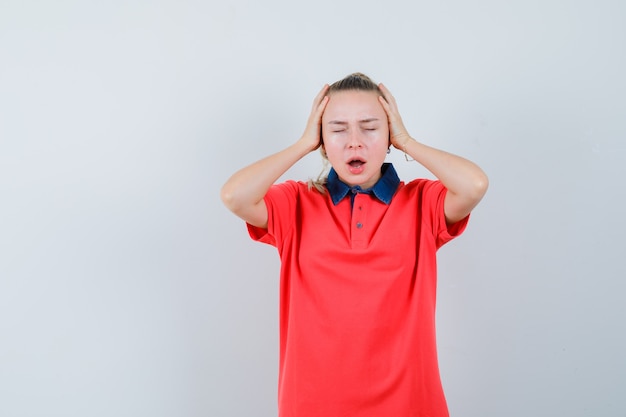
<point>386,92</point>
<point>318,116</point>
<point>392,113</point>
<point>383,88</point>
<point>385,104</point>
<point>383,101</point>
<point>320,96</point>
<point>388,96</point>
<point>319,111</point>
<point>323,102</point>
<point>318,108</point>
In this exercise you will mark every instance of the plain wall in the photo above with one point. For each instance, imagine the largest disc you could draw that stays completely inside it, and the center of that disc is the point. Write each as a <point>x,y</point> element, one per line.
<point>127,289</point>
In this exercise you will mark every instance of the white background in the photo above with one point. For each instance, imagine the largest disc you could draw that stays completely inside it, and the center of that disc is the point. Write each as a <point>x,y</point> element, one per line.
<point>126,289</point>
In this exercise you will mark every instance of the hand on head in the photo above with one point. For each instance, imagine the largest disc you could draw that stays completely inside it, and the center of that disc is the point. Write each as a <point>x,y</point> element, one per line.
<point>397,132</point>
<point>312,135</point>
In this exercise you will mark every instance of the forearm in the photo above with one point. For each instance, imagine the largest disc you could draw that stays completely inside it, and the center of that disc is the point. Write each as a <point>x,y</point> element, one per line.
<point>248,186</point>
<point>459,175</point>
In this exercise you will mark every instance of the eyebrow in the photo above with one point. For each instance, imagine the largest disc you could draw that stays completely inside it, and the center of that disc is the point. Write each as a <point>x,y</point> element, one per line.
<point>341,122</point>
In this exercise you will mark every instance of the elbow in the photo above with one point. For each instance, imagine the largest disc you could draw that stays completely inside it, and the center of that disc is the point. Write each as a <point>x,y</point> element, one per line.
<point>480,186</point>
<point>459,204</point>
<point>228,197</point>
<point>236,199</point>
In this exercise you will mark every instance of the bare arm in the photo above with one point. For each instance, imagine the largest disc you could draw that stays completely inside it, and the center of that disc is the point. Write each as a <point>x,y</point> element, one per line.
<point>465,181</point>
<point>244,191</point>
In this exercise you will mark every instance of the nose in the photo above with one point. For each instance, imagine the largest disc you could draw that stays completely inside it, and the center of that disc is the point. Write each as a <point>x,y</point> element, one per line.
<point>355,140</point>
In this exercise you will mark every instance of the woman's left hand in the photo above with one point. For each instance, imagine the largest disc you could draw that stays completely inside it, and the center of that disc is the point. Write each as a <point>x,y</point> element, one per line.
<point>397,132</point>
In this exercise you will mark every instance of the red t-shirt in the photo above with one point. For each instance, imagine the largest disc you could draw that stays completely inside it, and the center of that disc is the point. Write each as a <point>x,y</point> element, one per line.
<point>357,300</point>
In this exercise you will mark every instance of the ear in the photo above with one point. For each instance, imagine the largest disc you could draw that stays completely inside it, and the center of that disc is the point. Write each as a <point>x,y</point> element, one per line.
<point>323,151</point>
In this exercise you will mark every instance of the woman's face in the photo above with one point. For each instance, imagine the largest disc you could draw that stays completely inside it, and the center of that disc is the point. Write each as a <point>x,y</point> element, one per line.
<point>356,136</point>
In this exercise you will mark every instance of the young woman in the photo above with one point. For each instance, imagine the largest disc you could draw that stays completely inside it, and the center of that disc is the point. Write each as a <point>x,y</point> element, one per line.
<point>358,257</point>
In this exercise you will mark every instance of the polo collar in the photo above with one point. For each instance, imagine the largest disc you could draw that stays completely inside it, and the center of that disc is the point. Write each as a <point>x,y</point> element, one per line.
<point>384,189</point>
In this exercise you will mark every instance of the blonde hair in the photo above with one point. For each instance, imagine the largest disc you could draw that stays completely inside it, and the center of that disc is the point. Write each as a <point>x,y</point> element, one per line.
<point>355,81</point>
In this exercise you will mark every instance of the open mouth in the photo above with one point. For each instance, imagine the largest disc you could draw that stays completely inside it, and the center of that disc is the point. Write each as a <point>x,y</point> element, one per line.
<point>356,163</point>
<point>356,166</point>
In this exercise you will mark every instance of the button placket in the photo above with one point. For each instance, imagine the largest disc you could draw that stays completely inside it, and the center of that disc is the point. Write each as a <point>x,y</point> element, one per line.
<point>359,220</point>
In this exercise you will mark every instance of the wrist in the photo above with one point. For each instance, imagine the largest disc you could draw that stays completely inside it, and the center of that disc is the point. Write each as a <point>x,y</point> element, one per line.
<point>305,145</point>
<point>400,141</point>
<point>404,144</point>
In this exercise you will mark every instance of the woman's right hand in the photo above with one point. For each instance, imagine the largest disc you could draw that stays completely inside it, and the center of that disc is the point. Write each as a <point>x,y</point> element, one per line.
<point>312,135</point>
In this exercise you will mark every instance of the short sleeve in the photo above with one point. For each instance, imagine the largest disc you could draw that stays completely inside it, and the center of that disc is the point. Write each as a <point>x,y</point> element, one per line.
<point>434,197</point>
<point>281,201</point>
